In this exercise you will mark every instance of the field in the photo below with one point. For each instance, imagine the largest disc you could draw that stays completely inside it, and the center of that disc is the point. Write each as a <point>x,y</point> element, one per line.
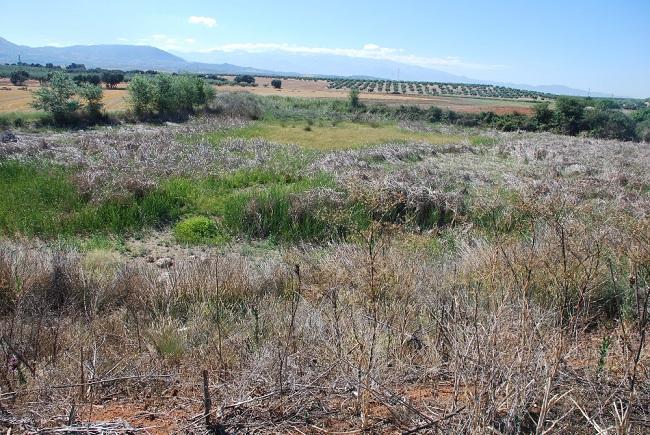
<point>15,99</point>
<point>304,88</point>
<point>18,99</point>
<point>288,265</point>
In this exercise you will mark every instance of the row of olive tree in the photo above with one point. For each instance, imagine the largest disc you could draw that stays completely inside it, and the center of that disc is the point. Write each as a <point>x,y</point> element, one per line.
<point>168,96</point>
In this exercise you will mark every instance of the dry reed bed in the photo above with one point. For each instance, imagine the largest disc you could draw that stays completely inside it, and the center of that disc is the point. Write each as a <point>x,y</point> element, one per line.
<point>506,335</point>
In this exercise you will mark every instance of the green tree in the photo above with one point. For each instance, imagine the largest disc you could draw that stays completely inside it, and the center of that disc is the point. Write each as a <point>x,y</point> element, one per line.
<point>353,98</point>
<point>57,97</point>
<point>142,95</point>
<point>277,84</point>
<point>166,95</point>
<point>569,115</point>
<point>245,79</point>
<point>610,124</point>
<point>543,114</point>
<point>112,78</point>
<point>18,78</point>
<point>93,95</point>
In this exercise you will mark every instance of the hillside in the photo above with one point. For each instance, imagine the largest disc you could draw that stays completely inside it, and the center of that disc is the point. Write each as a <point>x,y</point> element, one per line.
<point>115,56</point>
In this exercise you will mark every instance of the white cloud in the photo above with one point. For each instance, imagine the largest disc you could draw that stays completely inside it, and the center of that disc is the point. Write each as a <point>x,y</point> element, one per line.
<point>203,21</point>
<point>123,39</point>
<point>368,51</point>
<point>161,40</point>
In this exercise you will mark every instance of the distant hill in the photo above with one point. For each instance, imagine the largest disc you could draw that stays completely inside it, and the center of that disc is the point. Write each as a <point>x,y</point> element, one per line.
<point>331,65</point>
<point>124,57</point>
<point>128,57</point>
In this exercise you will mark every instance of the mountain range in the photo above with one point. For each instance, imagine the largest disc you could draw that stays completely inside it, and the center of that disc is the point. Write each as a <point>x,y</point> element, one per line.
<point>129,57</point>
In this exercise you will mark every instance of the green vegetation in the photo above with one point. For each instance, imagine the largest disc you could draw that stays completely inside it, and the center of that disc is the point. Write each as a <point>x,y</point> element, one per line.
<point>248,79</point>
<point>328,136</point>
<point>18,78</point>
<point>435,88</point>
<point>42,200</point>
<point>62,98</point>
<point>168,96</point>
<point>22,119</point>
<point>195,230</point>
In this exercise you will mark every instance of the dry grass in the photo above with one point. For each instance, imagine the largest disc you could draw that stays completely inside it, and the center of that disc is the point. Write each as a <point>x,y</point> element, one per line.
<point>524,309</point>
<point>19,99</point>
<point>319,89</point>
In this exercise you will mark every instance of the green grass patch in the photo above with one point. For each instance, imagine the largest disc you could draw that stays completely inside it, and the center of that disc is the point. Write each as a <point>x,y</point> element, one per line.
<point>326,136</point>
<point>499,211</point>
<point>22,119</point>
<point>264,204</point>
<point>482,141</point>
<point>42,200</point>
<point>196,230</point>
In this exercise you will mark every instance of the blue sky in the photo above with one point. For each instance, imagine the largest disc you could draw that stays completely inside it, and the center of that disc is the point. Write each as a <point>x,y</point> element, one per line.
<point>598,45</point>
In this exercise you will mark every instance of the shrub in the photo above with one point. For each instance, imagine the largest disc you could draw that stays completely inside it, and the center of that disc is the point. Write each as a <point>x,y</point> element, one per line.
<point>643,131</point>
<point>610,124</point>
<point>165,95</point>
<point>434,114</point>
<point>543,114</point>
<point>93,95</point>
<point>277,84</point>
<point>196,230</point>
<point>353,99</point>
<point>18,78</point>
<point>242,105</point>
<point>569,115</point>
<point>57,97</point>
<point>245,79</point>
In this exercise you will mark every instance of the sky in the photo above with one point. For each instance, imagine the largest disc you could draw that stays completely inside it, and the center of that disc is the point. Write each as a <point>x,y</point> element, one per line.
<point>599,45</point>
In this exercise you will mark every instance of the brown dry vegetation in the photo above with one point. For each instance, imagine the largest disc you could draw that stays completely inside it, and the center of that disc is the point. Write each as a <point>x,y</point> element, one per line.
<point>523,310</point>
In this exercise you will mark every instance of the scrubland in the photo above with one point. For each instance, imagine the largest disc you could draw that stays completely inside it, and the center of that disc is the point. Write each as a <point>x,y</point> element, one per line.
<point>436,280</point>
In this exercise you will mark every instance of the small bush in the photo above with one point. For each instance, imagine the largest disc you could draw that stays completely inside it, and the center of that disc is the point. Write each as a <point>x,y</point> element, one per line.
<point>277,84</point>
<point>242,105</point>
<point>196,230</point>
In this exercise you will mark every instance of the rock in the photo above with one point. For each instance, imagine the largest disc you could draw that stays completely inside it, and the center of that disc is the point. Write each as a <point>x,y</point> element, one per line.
<point>165,262</point>
<point>7,136</point>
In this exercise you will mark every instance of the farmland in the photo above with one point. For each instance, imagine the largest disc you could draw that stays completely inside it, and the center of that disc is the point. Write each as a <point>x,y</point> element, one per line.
<point>436,89</point>
<point>326,267</point>
<point>16,99</point>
